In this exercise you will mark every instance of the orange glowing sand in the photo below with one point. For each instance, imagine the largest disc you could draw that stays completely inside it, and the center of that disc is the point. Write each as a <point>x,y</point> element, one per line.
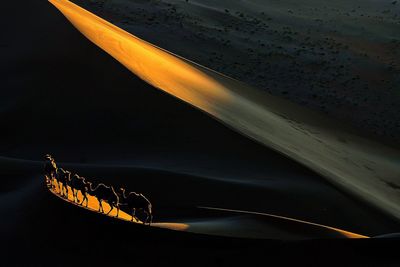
<point>93,205</point>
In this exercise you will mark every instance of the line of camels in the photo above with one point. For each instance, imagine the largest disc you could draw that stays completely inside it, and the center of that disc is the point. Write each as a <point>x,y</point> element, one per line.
<point>132,201</point>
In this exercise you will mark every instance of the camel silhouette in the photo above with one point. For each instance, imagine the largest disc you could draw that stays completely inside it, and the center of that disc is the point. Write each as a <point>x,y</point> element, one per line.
<point>63,181</point>
<point>106,194</point>
<point>79,184</point>
<point>50,170</point>
<point>136,202</point>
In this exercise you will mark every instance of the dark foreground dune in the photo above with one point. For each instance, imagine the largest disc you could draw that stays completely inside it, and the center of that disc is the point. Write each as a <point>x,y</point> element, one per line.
<point>65,96</point>
<point>41,228</point>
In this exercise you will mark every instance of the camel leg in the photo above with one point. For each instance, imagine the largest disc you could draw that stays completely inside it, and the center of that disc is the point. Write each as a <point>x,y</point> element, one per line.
<point>133,215</point>
<point>52,178</point>
<point>85,198</point>
<point>47,180</point>
<point>50,182</point>
<point>116,216</point>
<point>149,218</point>
<point>55,183</point>
<point>111,208</point>
<point>67,192</point>
<point>101,206</point>
<point>77,198</point>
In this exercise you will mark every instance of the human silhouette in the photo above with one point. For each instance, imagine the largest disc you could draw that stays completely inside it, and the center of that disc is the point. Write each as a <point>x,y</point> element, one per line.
<point>50,170</point>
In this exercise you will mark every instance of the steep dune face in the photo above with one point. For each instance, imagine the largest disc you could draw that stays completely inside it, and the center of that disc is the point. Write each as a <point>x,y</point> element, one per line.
<point>365,168</point>
<point>338,57</point>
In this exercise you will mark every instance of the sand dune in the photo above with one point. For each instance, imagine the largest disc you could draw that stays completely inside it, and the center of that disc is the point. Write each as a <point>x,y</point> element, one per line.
<point>336,57</point>
<point>253,225</point>
<point>109,125</point>
<point>365,168</point>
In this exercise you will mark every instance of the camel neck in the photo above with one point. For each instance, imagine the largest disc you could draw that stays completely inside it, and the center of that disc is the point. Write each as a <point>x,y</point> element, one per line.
<point>91,187</point>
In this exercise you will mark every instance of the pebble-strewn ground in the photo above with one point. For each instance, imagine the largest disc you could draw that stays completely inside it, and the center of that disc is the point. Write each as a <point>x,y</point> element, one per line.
<point>339,57</point>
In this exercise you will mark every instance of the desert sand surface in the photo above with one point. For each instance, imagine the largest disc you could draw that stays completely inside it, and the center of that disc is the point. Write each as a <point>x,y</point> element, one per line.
<point>368,169</point>
<point>338,57</point>
<point>65,96</point>
<point>39,222</point>
<point>236,223</point>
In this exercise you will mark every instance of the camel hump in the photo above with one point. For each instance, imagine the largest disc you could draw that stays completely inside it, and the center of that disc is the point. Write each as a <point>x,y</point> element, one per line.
<point>134,194</point>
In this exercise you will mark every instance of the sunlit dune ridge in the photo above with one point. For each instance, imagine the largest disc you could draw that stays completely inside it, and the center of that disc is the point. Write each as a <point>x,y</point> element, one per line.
<point>365,168</point>
<point>93,205</point>
<point>344,233</point>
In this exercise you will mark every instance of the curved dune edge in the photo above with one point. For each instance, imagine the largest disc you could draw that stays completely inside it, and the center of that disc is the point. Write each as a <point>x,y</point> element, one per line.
<point>207,225</point>
<point>346,234</point>
<point>368,169</point>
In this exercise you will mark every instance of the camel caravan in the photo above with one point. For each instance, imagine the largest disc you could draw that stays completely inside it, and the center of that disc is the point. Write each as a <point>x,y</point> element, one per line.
<point>63,180</point>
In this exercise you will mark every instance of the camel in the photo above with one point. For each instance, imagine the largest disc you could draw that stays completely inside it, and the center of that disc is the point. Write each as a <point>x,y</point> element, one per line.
<point>136,202</point>
<point>62,179</point>
<point>78,184</point>
<point>67,182</point>
<point>107,194</point>
<point>50,170</point>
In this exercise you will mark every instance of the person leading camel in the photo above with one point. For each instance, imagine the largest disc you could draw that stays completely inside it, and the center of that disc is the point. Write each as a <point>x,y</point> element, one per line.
<point>50,170</point>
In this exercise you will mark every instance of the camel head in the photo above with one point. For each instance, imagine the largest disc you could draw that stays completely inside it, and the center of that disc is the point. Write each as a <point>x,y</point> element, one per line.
<point>122,192</point>
<point>48,157</point>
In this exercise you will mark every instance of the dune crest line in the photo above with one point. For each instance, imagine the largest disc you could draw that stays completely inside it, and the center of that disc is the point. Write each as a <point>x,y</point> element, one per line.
<point>365,168</point>
<point>345,233</point>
